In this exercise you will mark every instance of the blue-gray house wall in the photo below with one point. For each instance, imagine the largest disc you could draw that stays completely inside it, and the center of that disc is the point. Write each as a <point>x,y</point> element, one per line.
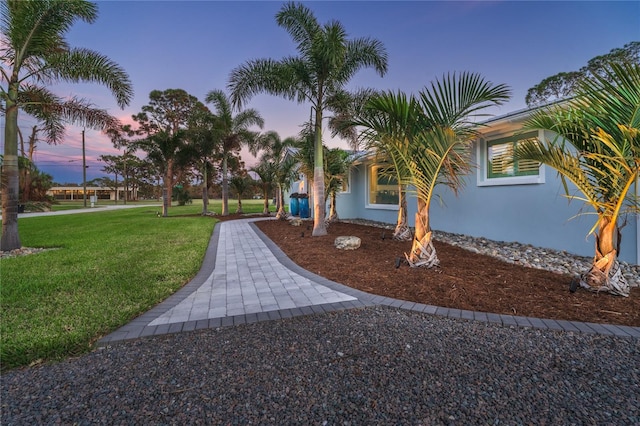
<point>529,209</point>
<point>536,214</point>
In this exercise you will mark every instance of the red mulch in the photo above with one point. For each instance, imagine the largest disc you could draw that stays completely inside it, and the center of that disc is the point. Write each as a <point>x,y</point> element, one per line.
<point>464,280</point>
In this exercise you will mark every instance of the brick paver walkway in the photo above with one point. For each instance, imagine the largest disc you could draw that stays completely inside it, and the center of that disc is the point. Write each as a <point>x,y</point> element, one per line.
<point>246,278</point>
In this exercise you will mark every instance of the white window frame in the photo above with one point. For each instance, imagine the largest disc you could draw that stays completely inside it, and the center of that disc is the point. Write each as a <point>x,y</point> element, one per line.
<point>482,175</point>
<point>348,183</point>
<point>367,204</point>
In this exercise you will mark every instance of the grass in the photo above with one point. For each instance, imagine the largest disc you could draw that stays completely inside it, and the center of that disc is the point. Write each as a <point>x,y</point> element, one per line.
<point>215,205</point>
<point>108,267</point>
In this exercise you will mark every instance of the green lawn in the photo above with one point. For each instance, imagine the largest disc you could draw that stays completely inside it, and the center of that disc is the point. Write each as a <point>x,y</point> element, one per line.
<point>215,205</point>
<point>108,267</point>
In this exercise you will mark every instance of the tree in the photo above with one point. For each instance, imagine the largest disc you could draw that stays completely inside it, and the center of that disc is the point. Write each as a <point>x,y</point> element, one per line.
<point>113,164</point>
<point>36,54</point>
<point>327,61</point>
<point>205,136</point>
<point>163,124</point>
<point>564,84</point>
<point>439,126</point>
<point>597,147</point>
<point>386,120</point>
<point>336,176</point>
<point>234,133</point>
<point>277,154</point>
<point>266,175</point>
<point>241,183</point>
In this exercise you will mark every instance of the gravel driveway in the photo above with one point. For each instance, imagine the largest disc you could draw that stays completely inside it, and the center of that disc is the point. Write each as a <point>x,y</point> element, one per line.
<point>365,366</point>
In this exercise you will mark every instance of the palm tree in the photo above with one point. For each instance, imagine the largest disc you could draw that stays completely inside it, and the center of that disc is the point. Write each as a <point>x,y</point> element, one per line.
<point>240,183</point>
<point>163,150</point>
<point>234,133</point>
<point>36,54</point>
<point>327,61</point>
<point>597,148</point>
<point>266,175</point>
<point>205,138</point>
<point>277,153</point>
<point>439,127</point>
<point>387,124</point>
<point>336,175</point>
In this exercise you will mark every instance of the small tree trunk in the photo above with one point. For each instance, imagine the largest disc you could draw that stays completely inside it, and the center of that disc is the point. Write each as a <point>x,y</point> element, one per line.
<point>265,193</point>
<point>282,215</point>
<point>333,211</point>
<point>225,188</point>
<point>605,273</point>
<point>423,253</point>
<point>239,209</point>
<point>402,231</point>
<point>205,191</point>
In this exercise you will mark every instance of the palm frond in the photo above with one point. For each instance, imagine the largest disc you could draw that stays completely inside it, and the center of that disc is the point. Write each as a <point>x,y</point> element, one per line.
<point>84,65</point>
<point>300,23</point>
<point>456,100</point>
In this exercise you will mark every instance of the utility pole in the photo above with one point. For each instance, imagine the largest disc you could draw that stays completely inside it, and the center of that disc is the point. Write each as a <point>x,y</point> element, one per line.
<point>84,173</point>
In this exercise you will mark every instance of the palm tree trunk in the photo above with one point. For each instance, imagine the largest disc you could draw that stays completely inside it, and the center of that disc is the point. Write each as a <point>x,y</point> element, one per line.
<point>265,193</point>
<point>205,190</point>
<point>423,253</point>
<point>225,187</point>
<point>333,211</point>
<point>281,213</point>
<point>239,209</point>
<point>319,227</point>
<point>10,239</point>
<point>605,273</point>
<point>402,231</point>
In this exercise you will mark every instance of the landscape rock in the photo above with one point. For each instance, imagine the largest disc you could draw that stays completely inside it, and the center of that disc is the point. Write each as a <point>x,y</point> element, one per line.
<point>347,243</point>
<point>296,222</point>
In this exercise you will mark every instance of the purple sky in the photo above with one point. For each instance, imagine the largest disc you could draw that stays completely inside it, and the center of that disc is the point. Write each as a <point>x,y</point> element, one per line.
<point>193,45</point>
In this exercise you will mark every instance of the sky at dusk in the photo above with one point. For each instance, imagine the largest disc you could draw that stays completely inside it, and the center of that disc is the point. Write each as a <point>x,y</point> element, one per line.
<point>194,45</point>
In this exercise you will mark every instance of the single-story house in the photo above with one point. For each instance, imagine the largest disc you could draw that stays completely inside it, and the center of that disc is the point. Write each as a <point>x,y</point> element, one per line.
<point>99,192</point>
<point>522,202</point>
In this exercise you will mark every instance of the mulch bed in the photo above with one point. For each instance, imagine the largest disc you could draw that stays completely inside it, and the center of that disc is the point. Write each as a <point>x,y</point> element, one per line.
<point>464,280</point>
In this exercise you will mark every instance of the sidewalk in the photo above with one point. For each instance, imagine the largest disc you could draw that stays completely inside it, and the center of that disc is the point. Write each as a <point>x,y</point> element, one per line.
<point>101,208</point>
<point>246,278</point>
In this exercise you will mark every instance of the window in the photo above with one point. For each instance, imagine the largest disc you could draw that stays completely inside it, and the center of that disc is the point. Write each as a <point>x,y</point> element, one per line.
<point>498,167</point>
<point>383,186</point>
<point>345,188</point>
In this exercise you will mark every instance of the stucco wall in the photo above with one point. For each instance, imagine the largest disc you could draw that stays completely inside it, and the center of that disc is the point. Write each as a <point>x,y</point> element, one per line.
<point>536,214</point>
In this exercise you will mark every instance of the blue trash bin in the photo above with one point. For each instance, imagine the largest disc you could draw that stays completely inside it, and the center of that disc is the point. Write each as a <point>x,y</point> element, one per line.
<point>304,207</point>
<point>294,205</point>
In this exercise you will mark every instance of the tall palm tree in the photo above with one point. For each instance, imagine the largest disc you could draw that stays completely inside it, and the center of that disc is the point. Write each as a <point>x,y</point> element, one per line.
<point>205,138</point>
<point>597,147</point>
<point>438,126</point>
<point>36,54</point>
<point>234,133</point>
<point>327,61</point>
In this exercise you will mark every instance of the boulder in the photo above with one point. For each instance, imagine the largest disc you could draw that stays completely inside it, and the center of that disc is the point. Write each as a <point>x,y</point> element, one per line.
<point>347,243</point>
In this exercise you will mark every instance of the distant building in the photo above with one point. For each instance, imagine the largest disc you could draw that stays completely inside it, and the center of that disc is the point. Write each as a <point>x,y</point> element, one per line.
<point>100,193</point>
